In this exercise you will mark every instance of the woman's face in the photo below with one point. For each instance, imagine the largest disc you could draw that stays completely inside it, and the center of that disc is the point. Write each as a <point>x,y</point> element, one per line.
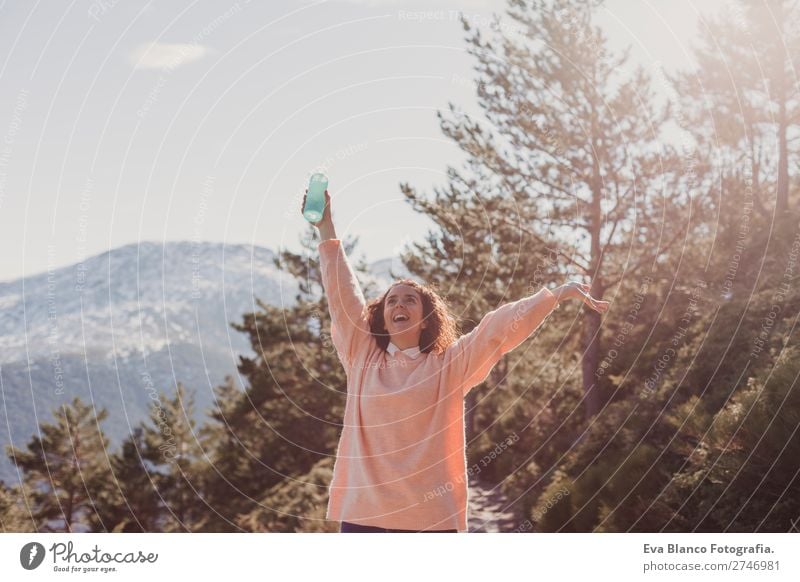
<point>402,313</point>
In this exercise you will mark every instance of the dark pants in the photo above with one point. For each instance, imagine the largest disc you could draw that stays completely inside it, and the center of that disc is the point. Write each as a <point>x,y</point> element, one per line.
<point>348,527</point>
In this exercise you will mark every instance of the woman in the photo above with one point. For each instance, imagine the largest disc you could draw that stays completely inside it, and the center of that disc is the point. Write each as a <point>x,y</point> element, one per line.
<point>401,463</point>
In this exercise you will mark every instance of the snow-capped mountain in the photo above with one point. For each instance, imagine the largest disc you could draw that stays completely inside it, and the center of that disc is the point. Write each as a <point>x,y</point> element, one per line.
<point>139,298</point>
<point>123,326</point>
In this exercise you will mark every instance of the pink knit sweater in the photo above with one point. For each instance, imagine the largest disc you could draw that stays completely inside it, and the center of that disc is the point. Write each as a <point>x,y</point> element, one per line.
<point>401,460</point>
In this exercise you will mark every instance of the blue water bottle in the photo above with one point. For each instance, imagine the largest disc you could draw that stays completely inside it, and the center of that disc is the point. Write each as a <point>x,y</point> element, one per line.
<point>315,198</point>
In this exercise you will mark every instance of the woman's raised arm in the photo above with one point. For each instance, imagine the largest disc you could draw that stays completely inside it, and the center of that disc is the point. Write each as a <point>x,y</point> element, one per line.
<point>349,326</point>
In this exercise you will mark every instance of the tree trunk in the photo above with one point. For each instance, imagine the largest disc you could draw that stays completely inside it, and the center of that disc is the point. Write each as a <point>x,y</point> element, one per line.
<point>591,329</point>
<point>591,360</point>
<point>782,202</point>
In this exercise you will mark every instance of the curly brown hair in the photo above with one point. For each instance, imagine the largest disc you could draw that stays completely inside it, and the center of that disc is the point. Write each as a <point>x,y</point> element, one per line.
<point>441,330</point>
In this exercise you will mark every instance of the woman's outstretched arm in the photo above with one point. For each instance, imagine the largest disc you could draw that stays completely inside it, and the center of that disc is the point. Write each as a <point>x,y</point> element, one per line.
<point>349,325</point>
<point>473,355</point>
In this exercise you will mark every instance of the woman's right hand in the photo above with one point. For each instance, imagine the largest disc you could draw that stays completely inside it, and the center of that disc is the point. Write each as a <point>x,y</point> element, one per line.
<point>578,290</point>
<point>325,225</point>
<point>326,214</point>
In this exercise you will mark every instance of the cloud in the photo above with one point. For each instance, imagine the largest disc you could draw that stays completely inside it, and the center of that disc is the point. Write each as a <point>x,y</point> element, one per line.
<point>158,55</point>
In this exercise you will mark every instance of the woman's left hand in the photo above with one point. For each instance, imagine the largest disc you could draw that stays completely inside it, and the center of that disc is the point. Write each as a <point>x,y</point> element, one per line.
<point>578,290</point>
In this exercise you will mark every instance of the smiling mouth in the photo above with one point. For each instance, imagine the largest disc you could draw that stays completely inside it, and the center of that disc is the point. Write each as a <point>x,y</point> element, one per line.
<point>400,317</point>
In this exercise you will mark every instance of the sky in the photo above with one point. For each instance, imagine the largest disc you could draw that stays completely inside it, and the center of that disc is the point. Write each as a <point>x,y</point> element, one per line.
<point>125,120</point>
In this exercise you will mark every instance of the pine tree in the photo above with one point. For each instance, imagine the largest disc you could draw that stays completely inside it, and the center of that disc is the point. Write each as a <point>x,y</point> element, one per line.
<point>742,467</point>
<point>227,438</point>
<point>65,468</point>
<point>134,506</point>
<point>172,447</point>
<point>572,142</point>
<point>14,517</point>
<point>742,100</point>
<point>689,451</point>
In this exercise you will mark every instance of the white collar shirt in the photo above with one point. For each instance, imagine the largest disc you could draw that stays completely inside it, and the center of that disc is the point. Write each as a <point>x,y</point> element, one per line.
<point>412,352</point>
